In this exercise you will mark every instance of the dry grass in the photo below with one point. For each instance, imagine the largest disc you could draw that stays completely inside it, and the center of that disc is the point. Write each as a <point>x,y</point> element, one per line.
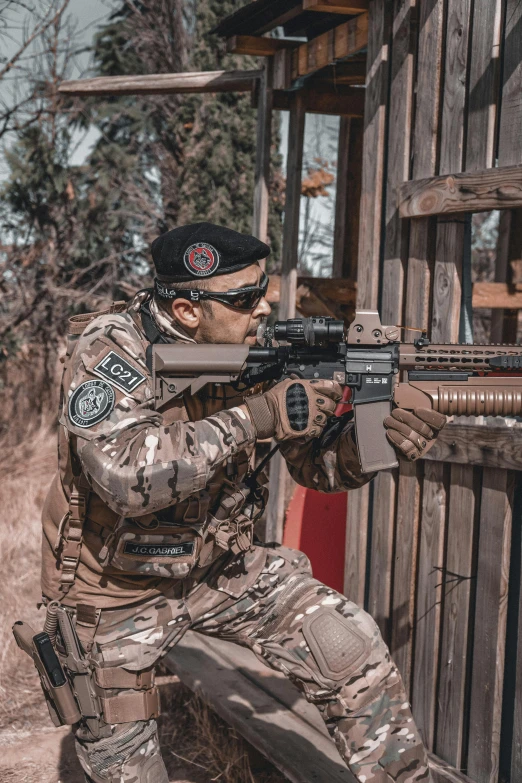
<point>193,734</point>
<point>197,745</point>
<point>25,473</point>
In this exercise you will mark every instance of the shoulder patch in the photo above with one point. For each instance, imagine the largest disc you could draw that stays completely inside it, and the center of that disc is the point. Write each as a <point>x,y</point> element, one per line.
<point>118,371</point>
<point>90,403</point>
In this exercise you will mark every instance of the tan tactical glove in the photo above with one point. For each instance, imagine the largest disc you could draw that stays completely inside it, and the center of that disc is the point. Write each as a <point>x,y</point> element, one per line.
<point>413,434</point>
<point>294,408</point>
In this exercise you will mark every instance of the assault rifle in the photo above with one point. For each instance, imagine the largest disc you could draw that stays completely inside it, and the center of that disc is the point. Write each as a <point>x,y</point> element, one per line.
<point>369,359</point>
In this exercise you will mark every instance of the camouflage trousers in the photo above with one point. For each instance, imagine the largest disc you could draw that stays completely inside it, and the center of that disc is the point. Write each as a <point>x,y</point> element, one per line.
<point>326,645</point>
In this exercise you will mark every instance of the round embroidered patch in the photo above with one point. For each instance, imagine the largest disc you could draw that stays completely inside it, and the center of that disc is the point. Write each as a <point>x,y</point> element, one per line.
<point>201,259</point>
<point>92,402</point>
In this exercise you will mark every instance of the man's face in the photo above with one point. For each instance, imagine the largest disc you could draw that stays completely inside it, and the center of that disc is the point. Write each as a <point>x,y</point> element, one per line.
<point>220,323</point>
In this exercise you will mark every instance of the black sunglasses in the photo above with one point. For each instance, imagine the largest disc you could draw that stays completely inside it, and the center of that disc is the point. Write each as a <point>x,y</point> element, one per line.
<point>246,298</point>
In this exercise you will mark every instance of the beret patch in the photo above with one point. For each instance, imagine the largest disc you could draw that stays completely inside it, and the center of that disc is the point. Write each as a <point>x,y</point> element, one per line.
<point>201,259</point>
<point>201,250</point>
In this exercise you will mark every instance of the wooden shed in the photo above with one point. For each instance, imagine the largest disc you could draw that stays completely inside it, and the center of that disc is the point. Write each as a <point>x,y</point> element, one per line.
<point>430,98</point>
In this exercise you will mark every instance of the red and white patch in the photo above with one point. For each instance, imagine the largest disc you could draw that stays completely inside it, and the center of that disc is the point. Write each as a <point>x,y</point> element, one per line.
<point>201,259</point>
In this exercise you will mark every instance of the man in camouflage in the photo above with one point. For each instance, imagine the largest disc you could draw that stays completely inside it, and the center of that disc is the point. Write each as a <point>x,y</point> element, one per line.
<point>164,541</point>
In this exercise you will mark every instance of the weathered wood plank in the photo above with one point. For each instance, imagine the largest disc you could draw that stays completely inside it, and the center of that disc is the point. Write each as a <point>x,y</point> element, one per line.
<point>457,580</point>
<point>336,6</point>
<point>483,76</point>
<point>447,280</point>
<point>258,46</point>
<point>246,694</point>
<point>348,196</point>
<point>405,567</point>
<point>398,145</point>
<point>163,83</point>
<point>263,148</point>
<point>509,143</point>
<point>373,161</point>
<point>345,40</point>
<point>504,325</point>
<point>452,234</point>
<point>477,191</point>
<point>489,446</point>
<point>424,155</point>
<point>381,553</point>
<point>490,625</point>
<point>429,597</point>
<point>516,667</point>
<point>496,295</point>
<point>356,544</point>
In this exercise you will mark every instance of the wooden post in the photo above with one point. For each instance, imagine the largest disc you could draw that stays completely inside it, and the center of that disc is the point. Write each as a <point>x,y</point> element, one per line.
<point>418,273</point>
<point>264,138</point>
<point>279,476</point>
<point>370,211</point>
<point>347,198</point>
<point>292,207</point>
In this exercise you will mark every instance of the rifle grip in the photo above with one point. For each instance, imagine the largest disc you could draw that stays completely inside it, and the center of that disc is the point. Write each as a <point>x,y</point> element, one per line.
<point>375,450</point>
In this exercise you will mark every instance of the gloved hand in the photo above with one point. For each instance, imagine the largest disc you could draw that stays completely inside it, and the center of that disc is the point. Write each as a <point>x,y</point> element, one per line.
<point>413,434</point>
<point>294,408</point>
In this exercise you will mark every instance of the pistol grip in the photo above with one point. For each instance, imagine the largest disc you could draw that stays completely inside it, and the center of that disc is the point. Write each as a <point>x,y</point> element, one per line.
<point>375,450</point>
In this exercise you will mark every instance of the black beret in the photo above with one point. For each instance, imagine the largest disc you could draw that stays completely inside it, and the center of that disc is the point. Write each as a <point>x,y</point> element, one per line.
<point>203,250</point>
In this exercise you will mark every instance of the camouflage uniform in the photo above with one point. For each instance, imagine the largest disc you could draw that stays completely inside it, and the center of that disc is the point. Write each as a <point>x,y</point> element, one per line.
<point>172,468</point>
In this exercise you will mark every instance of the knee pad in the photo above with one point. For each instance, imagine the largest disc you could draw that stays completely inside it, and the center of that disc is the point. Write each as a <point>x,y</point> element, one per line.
<point>130,754</point>
<point>349,651</point>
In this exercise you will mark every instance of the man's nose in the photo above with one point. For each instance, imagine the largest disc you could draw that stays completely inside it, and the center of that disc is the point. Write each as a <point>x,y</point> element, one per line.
<point>262,310</point>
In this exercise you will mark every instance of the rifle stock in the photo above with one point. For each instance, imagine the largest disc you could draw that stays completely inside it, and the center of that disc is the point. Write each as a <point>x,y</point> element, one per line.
<point>451,379</point>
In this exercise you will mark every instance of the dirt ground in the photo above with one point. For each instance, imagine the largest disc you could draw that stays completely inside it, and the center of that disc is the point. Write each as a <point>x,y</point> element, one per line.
<point>197,746</point>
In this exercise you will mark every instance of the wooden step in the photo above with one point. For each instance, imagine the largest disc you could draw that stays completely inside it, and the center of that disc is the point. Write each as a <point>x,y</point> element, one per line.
<point>262,705</point>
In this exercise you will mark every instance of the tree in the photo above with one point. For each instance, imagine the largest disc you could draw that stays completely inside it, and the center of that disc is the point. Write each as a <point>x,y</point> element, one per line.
<point>75,237</point>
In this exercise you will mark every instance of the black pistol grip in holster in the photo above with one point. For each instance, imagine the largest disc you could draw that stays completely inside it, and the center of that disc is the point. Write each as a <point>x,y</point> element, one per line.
<point>58,693</point>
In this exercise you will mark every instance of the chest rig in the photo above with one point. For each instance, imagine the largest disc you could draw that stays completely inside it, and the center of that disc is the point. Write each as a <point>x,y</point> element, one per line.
<point>166,544</point>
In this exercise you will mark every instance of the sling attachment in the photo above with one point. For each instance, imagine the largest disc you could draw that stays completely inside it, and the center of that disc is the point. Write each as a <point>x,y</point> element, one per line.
<point>71,532</point>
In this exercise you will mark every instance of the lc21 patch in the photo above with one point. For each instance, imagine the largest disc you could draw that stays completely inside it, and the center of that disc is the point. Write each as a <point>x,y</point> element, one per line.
<point>119,372</point>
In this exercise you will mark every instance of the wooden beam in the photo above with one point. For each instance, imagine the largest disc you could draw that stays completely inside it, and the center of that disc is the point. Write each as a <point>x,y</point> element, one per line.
<point>263,147</point>
<point>477,191</point>
<point>336,6</point>
<point>345,72</point>
<point>496,296</point>
<point>163,83</point>
<point>476,444</point>
<point>341,101</point>
<point>343,41</point>
<point>258,46</point>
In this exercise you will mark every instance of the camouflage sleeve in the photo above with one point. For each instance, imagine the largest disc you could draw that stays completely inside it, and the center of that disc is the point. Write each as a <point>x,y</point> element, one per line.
<point>327,468</point>
<point>136,462</point>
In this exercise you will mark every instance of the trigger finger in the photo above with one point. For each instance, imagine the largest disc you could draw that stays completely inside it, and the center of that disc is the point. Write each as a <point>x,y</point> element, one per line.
<point>330,389</point>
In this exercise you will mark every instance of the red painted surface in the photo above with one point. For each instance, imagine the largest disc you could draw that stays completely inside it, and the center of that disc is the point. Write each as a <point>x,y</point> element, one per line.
<point>316,524</point>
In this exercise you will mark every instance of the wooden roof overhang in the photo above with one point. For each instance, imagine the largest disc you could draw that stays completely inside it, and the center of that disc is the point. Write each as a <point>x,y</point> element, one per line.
<point>298,18</point>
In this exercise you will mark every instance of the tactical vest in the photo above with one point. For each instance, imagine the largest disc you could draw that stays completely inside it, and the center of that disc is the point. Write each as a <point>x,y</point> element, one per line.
<point>174,543</point>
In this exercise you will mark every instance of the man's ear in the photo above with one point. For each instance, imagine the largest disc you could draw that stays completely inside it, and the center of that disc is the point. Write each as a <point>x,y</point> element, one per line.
<point>187,314</point>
